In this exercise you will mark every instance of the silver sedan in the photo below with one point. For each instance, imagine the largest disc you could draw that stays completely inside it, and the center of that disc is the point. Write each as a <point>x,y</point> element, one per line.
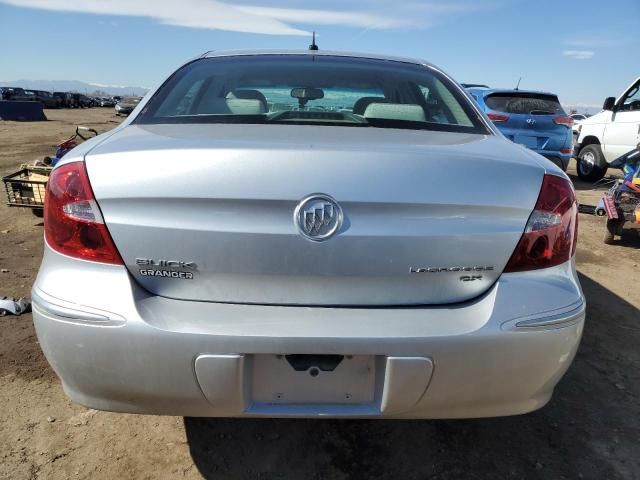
<point>308,234</point>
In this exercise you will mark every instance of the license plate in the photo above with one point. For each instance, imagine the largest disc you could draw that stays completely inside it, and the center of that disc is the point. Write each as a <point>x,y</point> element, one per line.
<point>526,141</point>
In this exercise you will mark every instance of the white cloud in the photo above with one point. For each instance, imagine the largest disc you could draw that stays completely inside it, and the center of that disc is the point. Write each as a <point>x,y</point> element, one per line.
<point>103,85</point>
<point>579,54</point>
<point>218,15</point>
<point>599,41</point>
<point>450,7</point>
<point>325,17</point>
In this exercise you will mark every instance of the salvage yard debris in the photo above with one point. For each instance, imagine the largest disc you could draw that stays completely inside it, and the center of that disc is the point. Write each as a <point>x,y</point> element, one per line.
<point>11,306</point>
<point>27,186</point>
<point>622,202</point>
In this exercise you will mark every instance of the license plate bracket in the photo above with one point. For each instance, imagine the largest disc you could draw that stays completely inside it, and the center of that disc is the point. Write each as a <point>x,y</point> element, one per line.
<point>275,381</point>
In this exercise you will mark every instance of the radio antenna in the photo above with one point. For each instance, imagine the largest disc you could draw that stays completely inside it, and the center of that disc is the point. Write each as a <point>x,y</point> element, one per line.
<point>313,45</point>
<point>518,85</point>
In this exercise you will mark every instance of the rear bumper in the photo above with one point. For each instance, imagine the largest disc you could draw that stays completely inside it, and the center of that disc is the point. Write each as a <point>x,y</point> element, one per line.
<point>115,347</point>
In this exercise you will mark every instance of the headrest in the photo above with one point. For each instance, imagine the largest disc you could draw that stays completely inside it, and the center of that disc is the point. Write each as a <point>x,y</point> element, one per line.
<point>246,107</point>
<point>362,103</point>
<point>234,106</point>
<point>244,94</point>
<point>395,111</point>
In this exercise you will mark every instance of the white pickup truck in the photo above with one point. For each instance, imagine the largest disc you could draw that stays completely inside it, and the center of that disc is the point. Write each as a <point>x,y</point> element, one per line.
<point>609,134</point>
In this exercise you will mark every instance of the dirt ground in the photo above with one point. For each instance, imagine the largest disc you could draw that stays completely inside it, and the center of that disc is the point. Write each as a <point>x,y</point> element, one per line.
<point>589,430</point>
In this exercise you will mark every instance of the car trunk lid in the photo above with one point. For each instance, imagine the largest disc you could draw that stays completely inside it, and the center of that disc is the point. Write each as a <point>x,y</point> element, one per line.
<point>429,217</point>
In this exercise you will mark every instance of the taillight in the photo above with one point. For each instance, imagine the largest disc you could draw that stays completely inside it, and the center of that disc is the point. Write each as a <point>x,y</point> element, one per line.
<point>564,121</point>
<point>550,236</point>
<point>497,117</point>
<point>73,224</point>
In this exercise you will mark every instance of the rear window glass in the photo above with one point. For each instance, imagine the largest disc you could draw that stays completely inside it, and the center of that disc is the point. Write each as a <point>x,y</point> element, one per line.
<point>132,100</point>
<point>306,89</point>
<point>526,103</point>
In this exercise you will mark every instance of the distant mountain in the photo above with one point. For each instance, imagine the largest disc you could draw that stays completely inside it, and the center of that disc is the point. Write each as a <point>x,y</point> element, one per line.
<point>585,108</point>
<point>75,86</point>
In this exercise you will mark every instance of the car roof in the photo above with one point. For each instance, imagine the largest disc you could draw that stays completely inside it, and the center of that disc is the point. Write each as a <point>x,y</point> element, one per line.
<point>490,91</point>
<point>314,53</point>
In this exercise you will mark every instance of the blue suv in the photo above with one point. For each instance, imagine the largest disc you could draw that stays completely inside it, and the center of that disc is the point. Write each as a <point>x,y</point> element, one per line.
<point>533,119</point>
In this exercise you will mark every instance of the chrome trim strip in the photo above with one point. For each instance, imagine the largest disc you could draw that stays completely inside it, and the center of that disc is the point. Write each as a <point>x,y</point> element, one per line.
<point>557,318</point>
<point>71,313</point>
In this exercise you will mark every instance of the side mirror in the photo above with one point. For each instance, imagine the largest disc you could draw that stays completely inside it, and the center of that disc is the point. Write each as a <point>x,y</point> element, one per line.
<point>609,103</point>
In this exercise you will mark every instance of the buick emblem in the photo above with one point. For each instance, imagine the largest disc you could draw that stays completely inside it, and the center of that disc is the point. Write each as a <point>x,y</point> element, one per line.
<point>318,217</point>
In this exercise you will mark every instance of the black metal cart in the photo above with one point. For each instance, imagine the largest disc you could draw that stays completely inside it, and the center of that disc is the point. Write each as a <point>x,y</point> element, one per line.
<point>26,188</point>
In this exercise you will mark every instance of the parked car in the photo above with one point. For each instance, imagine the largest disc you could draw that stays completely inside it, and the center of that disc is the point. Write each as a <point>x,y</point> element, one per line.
<point>65,98</point>
<point>375,249</point>
<point>77,101</point>
<point>47,99</point>
<point>17,94</point>
<point>126,105</point>
<point>535,120</point>
<point>609,134</point>
<point>81,101</point>
<point>107,102</point>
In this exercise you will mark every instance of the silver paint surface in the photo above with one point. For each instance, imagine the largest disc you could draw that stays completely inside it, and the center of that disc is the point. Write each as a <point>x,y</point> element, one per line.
<point>222,198</point>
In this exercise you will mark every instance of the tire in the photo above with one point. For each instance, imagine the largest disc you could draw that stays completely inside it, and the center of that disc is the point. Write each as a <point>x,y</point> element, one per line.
<point>565,166</point>
<point>591,165</point>
<point>612,229</point>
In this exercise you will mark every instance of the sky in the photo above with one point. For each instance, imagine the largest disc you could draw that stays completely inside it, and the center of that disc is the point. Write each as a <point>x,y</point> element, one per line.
<point>581,50</point>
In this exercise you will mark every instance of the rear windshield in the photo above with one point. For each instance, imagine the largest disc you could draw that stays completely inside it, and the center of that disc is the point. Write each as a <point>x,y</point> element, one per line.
<point>132,100</point>
<point>523,102</point>
<point>318,90</point>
